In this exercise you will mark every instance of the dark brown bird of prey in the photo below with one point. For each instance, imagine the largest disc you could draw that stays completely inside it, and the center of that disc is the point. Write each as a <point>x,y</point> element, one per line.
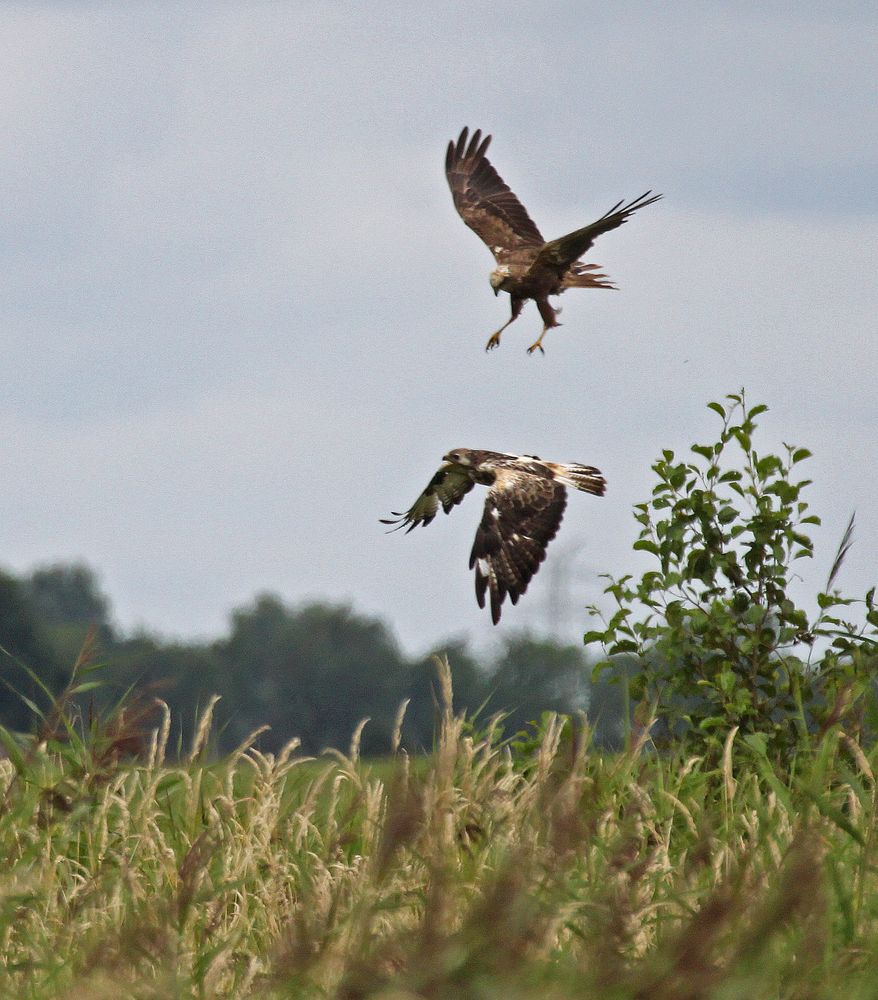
<point>523,510</point>
<point>527,266</point>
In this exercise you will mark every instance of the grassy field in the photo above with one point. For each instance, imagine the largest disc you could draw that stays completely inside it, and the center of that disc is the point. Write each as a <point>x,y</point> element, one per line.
<point>475,873</point>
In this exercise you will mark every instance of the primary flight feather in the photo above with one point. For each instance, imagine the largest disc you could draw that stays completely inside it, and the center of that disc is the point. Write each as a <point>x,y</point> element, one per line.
<point>523,510</point>
<point>527,266</point>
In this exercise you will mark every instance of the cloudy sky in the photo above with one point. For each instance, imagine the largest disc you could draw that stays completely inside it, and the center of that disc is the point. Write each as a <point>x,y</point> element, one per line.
<point>242,321</point>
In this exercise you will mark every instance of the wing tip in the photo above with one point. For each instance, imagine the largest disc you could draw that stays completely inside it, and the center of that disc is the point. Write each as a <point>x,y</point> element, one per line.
<point>467,147</point>
<point>481,587</point>
<point>404,520</point>
<point>397,523</point>
<point>626,211</point>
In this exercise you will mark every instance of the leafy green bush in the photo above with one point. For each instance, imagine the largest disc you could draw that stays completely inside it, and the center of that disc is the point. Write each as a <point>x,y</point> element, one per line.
<point>719,640</point>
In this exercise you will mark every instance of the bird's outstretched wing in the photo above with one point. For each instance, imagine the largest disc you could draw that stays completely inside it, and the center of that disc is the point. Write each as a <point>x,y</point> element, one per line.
<point>558,255</point>
<point>484,201</point>
<point>522,515</point>
<point>448,487</point>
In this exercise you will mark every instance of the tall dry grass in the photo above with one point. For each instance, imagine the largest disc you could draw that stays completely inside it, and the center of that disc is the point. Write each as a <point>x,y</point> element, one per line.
<point>476,872</point>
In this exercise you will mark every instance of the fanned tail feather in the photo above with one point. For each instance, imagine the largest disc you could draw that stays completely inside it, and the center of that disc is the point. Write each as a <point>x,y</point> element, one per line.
<point>582,477</point>
<point>582,276</point>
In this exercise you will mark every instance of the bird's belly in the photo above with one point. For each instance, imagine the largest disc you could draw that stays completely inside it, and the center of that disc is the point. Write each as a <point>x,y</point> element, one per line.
<point>536,286</point>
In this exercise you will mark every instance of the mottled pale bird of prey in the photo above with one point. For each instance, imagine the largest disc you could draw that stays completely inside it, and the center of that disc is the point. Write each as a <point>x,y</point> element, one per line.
<point>527,266</point>
<point>523,510</point>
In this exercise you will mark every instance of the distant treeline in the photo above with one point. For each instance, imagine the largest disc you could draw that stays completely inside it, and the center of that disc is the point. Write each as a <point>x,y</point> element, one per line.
<point>312,671</point>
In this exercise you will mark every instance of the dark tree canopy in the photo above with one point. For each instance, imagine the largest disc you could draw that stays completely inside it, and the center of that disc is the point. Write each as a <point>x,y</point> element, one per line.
<point>68,595</point>
<point>312,671</point>
<point>24,644</point>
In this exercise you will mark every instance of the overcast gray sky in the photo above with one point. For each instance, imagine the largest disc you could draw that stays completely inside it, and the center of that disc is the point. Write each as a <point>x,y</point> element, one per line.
<point>242,321</point>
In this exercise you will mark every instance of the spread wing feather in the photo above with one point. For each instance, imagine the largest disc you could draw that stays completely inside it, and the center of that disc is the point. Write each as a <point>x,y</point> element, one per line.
<point>447,488</point>
<point>522,515</point>
<point>484,200</point>
<point>558,255</point>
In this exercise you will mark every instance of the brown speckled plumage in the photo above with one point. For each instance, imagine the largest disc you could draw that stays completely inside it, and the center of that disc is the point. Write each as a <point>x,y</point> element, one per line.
<point>523,511</point>
<point>528,267</point>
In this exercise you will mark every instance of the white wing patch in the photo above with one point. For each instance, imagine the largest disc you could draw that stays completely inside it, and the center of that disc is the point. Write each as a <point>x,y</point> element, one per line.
<point>522,514</point>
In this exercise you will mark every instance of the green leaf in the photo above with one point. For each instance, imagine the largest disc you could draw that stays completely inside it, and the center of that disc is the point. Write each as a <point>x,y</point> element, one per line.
<point>87,686</point>
<point>740,602</point>
<point>645,545</point>
<point>755,613</point>
<point>785,491</point>
<point>32,705</point>
<point>727,680</point>
<point>800,454</point>
<point>624,646</point>
<point>717,408</point>
<point>767,466</point>
<point>591,637</point>
<point>713,722</point>
<point>677,476</point>
<point>599,668</point>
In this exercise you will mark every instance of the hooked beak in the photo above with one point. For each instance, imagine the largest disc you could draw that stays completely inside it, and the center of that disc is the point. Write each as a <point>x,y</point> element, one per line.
<point>496,292</point>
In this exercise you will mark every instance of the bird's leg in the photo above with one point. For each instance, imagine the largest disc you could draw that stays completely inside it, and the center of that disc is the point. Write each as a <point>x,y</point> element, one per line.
<point>494,339</point>
<point>549,321</point>
<point>537,344</point>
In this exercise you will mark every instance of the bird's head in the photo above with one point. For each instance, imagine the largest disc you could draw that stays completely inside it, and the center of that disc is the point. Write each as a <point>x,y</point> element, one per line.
<point>498,276</point>
<point>460,456</point>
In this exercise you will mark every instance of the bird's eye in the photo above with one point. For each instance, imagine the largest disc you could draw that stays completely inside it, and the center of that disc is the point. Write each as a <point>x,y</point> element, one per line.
<point>454,457</point>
